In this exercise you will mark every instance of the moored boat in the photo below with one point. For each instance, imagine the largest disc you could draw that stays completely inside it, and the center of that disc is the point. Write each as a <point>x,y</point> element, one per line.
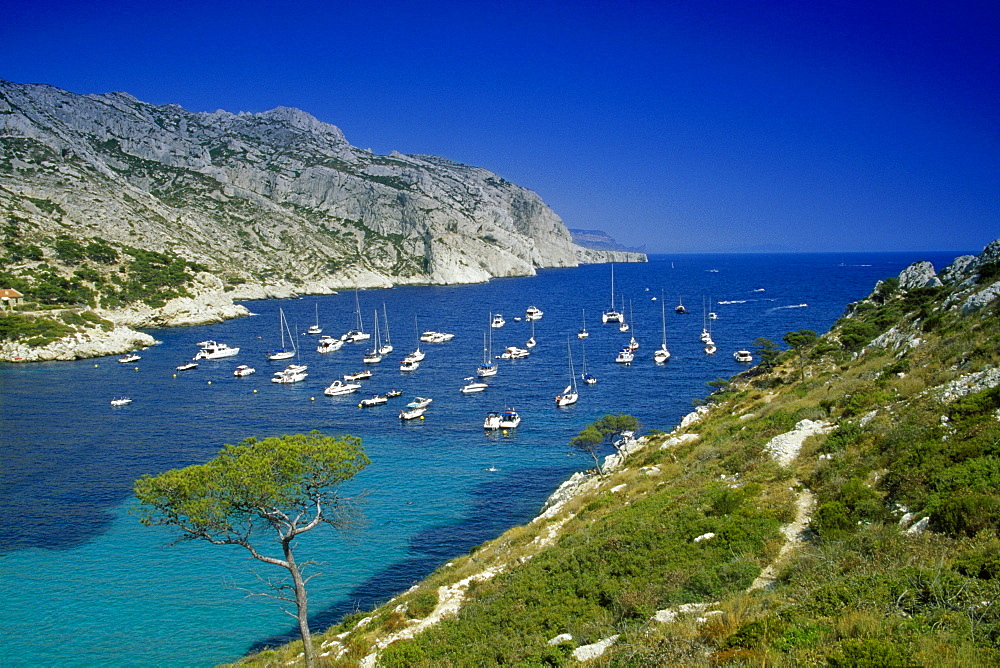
<point>338,387</point>
<point>243,370</point>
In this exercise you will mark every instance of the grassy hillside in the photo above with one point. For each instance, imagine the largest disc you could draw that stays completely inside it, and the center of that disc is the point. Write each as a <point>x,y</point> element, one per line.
<point>691,552</point>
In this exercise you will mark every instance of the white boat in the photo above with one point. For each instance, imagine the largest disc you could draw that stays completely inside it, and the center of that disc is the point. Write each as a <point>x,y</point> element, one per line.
<point>210,350</point>
<point>623,327</point>
<point>419,402</point>
<point>374,400</point>
<point>120,401</point>
<point>315,329</point>
<point>586,376</point>
<point>328,344</point>
<point>710,349</point>
<point>531,342</point>
<point>436,337</point>
<point>281,353</point>
<point>386,347</point>
<point>633,344</point>
<point>509,419</point>
<point>393,393</point>
<point>533,313</point>
<point>416,356</point>
<point>409,364</point>
<point>187,367</point>
<point>569,396</point>
<point>360,375</point>
<point>488,367</point>
<point>680,307</point>
<point>743,356</point>
<point>498,321</point>
<point>127,359</point>
<point>412,413</point>
<point>625,356</point>
<point>243,370</point>
<point>374,357</point>
<point>358,333</point>
<point>337,388</point>
<point>712,315</point>
<point>662,354</point>
<point>293,373</point>
<point>492,421</point>
<point>612,315</point>
<point>473,386</point>
<point>514,353</point>
<point>583,333</point>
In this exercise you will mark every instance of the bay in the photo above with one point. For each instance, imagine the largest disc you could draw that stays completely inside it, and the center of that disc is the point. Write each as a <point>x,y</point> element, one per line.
<point>83,583</point>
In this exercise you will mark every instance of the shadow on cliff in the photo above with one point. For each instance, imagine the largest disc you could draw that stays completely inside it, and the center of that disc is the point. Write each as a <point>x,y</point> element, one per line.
<point>496,505</point>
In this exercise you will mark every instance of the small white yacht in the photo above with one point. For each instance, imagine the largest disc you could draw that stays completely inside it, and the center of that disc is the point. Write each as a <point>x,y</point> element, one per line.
<point>625,356</point>
<point>583,333</point>
<point>338,387</point>
<point>328,344</point>
<point>509,419</point>
<point>210,350</point>
<point>570,395</point>
<point>743,356</point>
<point>187,367</point>
<point>473,386</point>
<point>498,321</point>
<point>533,313</point>
<point>120,401</point>
<point>360,375</point>
<point>315,330</point>
<point>293,373</point>
<point>492,421</point>
<point>412,413</point>
<point>127,359</point>
<point>419,402</point>
<point>374,400</point>
<point>514,353</point>
<point>243,370</point>
<point>409,364</point>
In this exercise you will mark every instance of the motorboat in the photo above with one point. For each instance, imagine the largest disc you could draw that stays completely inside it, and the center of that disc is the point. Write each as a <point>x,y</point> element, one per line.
<point>436,337</point>
<point>514,353</point>
<point>121,401</point>
<point>409,364</point>
<point>743,356</point>
<point>393,393</point>
<point>533,313</point>
<point>569,396</point>
<point>338,387</point>
<point>328,344</point>
<point>127,359</point>
<point>243,370</point>
<point>474,386</point>
<point>281,353</point>
<point>374,400</point>
<point>293,373</point>
<point>419,402</point>
<point>492,421</point>
<point>612,315</point>
<point>625,356</point>
<point>497,321</point>
<point>211,350</point>
<point>187,367</point>
<point>360,375</point>
<point>412,413</point>
<point>509,419</point>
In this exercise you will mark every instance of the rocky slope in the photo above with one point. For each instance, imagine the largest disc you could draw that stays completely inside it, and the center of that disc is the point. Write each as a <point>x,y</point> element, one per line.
<point>839,507</point>
<point>265,200</point>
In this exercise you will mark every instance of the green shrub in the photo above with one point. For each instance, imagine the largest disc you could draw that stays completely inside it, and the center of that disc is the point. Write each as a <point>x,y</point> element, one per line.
<point>966,514</point>
<point>871,653</point>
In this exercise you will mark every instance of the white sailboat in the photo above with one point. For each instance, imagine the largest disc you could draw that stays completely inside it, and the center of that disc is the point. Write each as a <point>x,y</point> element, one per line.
<point>662,354</point>
<point>315,329</point>
<point>531,342</point>
<point>359,333</point>
<point>374,357</point>
<point>385,348</point>
<point>586,376</point>
<point>569,395</point>
<point>624,326</point>
<point>488,368</point>
<point>583,333</point>
<point>633,345</point>
<point>281,353</point>
<point>417,355</point>
<point>612,315</point>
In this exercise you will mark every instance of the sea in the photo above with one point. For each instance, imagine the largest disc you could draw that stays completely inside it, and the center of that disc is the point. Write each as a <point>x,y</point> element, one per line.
<point>83,583</point>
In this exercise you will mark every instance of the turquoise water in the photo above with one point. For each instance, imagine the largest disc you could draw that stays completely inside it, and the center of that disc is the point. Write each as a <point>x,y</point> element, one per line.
<point>85,584</point>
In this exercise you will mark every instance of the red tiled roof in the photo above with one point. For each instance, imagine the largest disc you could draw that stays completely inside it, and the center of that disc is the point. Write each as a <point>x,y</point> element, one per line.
<point>8,292</point>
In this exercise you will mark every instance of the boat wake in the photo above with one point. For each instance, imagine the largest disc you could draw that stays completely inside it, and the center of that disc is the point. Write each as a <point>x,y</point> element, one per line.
<point>780,308</point>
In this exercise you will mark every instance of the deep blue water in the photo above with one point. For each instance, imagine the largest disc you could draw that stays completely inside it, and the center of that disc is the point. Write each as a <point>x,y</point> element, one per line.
<point>85,584</point>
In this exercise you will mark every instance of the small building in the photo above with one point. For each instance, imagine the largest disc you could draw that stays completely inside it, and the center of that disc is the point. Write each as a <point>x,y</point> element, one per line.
<point>9,298</point>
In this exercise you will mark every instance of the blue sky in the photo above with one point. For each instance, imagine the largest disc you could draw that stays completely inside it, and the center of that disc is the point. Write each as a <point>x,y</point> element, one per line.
<point>684,126</point>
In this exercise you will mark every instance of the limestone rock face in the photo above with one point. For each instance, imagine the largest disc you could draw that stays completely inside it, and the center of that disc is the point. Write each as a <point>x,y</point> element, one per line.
<point>278,200</point>
<point>918,275</point>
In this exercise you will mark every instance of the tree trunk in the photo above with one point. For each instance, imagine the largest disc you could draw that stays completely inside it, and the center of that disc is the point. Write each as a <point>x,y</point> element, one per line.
<point>302,605</point>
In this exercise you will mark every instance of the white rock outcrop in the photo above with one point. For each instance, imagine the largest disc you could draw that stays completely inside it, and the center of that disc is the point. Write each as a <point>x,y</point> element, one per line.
<point>918,275</point>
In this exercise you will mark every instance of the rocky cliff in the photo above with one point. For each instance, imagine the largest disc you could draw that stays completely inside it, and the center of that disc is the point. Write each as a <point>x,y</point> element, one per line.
<point>270,202</point>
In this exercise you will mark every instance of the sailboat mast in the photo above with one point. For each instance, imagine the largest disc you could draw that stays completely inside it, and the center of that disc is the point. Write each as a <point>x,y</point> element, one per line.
<point>385,316</point>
